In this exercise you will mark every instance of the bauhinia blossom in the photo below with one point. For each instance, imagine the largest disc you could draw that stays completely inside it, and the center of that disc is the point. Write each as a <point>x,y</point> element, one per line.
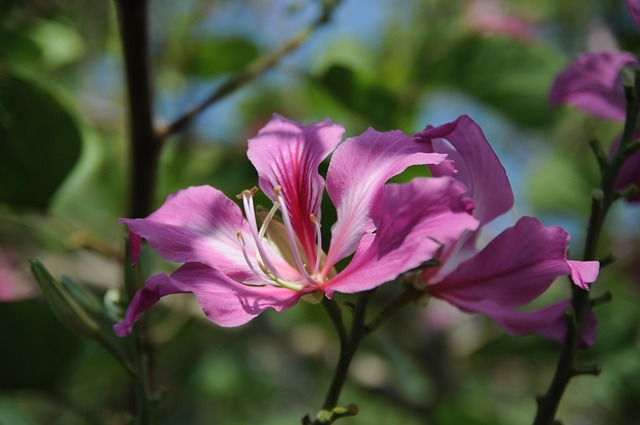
<point>237,266</point>
<point>519,264</point>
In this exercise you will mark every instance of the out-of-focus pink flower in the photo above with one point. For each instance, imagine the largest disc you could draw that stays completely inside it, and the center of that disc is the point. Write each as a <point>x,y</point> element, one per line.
<point>592,84</point>
<point>634,10</point>
<point>237,268</point>
<point>519,264</point>
<point>489,17</point>
<point>15,282</point>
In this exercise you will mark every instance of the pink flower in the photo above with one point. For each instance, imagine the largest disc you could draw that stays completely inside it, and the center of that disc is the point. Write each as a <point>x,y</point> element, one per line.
<point>514,268</point>
<point>490,17</point>
<point>237,268</point>
<point>634,10</point>
<point>15,282</point>
<point>592,84</point>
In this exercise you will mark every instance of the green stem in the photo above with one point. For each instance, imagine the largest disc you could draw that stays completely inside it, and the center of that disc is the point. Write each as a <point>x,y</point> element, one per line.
<point>601,202</point>
<point>348,347</point>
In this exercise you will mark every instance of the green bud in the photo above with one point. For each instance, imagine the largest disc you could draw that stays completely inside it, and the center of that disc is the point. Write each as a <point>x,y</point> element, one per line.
<point>65,306</point>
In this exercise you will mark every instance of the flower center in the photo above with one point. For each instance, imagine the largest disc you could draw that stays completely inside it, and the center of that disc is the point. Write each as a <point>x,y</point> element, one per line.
<point>285,240</point>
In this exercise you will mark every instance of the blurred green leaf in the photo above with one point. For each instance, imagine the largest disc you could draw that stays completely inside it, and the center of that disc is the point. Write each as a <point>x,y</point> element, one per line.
<point>17,47</point>
<point>36,348</point>
<point>509,75</point>
<point>39,143</point>
<point>214,56</point>
<point>366,98</point>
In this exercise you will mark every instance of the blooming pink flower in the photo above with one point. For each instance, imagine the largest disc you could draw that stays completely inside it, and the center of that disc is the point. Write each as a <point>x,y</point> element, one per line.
<point>237,268</point>
<point>519,264</point>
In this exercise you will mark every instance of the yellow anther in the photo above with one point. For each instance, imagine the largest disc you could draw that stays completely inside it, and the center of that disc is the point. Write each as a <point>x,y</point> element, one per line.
<point>247,192</point>
<point>314,220</point>
<point>240,237</point>
<point>276,190</point>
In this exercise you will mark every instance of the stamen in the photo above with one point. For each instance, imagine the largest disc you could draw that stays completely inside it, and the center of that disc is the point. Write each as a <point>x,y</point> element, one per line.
<point>249,211</point>
<point>318,244</point>
<point>290,234</point>
<point>248,260</point>
<point>267,220</point>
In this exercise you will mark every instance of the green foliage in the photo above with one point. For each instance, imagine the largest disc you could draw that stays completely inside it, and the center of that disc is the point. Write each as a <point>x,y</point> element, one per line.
<point>208,57</point>
<point>39,143</point>
<point>509,75</point>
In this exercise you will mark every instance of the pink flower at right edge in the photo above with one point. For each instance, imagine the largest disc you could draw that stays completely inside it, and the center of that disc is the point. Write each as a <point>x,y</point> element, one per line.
<point>519,264</point>
<point>592,84</point>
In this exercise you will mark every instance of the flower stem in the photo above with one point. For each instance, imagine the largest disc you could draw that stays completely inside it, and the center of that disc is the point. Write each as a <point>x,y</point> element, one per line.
<point>601,201</point>
<point>348,346</point>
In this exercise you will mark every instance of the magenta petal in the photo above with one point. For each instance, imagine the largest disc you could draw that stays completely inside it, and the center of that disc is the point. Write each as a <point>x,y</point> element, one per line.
<point>592,83</point>
<point>476,163</point>
<point>634,10</point>
<point>287,154</point>
<point>224,301</point>
<point>198,224</point>
<point>135,247</point>
<point>357,173</point>
<point>513,269</point>
<point>155,288</point>
<point>417,219</point>
<point>548,322</point>
<point>584,272</point>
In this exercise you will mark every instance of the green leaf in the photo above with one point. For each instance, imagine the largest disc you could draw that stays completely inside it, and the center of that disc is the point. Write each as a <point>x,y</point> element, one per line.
<point>366,98</point>
<point>509,75</point>
<point>214,56</point>
<point>39,143</point>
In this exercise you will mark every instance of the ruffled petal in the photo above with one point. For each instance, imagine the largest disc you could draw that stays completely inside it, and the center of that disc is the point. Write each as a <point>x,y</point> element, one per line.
<point>357,173</point>
<point>287,154</point>
<point>224,301</point>
<point>584,272</point>
<point>513,269</point>
<point>548,322</point>
<point>476,163</point>
<point>198,224</point>
<point>592,84</point>
<point>155,288</point>
<point>416,220</point>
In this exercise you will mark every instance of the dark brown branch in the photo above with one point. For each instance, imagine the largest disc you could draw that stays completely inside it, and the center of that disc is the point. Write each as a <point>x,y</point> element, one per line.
<point>144,145</point>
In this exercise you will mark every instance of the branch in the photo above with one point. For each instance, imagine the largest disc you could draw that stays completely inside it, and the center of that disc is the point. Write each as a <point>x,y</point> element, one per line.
<point>144,145</point>
<point>602,199</point>
<point>251,72</point>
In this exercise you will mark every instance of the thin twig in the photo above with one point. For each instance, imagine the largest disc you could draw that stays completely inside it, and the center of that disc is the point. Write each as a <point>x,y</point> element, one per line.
<point>602,200</point>
<point>253,70</point>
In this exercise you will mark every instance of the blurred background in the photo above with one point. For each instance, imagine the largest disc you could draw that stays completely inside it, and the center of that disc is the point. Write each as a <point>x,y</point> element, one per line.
<point>385,64</point>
